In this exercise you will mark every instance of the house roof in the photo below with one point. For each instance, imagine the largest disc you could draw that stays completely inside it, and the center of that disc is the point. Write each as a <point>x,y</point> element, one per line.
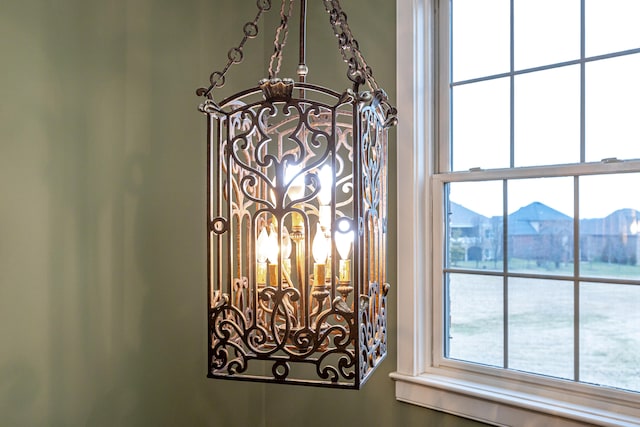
<point>462,217</point>
<point>537,211</point>
<point>521,228</point>
<point>616,223</point>
<point>524,221</point>
<point>528,219</point>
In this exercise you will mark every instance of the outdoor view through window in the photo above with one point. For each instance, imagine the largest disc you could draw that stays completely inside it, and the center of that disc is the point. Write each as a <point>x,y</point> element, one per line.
<point>540,176</point>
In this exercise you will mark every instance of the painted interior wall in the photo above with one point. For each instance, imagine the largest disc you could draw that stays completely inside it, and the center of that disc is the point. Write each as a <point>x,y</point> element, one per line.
<point>102,228</point>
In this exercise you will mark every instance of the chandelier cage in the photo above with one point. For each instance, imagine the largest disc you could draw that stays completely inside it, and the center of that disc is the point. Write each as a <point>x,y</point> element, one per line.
<point>297,219</point>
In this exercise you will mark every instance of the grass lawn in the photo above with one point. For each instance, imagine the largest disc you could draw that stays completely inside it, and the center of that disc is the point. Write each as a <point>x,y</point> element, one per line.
<point>587,269</point>
<point>540,324</point>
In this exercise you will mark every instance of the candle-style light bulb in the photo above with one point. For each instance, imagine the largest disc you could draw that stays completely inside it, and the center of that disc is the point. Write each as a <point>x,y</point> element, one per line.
<point>343,243</point>
<point>344,239</point>
<point>261,254</point>
<point>296,187</point>
<point>286,251</point>
<point>261,245</point>
<point>319,250</point>
<point>295,192</point>
<point>326,183</point>
<point>324,196</point>
<point>271,249</point>
<point>286,243</point>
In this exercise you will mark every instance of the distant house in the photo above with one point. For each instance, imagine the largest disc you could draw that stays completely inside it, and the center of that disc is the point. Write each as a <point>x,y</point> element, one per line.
<point>538,232</point>
<point>544,235</point>
<point>612,239</point>
<point>470,234</point>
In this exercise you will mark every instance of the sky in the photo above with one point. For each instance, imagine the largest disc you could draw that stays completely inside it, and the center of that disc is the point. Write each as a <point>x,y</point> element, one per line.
<point>547,104</point>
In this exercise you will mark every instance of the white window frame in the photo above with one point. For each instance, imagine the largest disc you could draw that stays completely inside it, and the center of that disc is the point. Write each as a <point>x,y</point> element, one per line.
<point>483,394</point>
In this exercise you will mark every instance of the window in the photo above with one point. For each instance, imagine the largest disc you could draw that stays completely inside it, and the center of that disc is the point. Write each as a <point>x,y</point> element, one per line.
<point>518,237</point>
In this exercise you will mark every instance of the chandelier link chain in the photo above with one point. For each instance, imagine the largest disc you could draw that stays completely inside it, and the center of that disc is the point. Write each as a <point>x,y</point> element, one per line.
<point>280,39</point>
<point>359,72</point>
<point>235,55</point>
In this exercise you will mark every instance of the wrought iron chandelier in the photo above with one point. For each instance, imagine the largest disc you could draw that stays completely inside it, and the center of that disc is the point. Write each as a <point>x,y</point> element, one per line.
<point>297,219</point>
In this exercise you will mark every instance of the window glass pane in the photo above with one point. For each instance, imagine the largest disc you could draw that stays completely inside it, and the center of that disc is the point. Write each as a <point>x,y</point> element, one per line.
<point>610,226</point>
<point>541,326</point>
<point>540,233</point>
<point>475,225</point>
<point>476,319</point>
<point>480,47</point>
<point>612,108</point>
<point>547,117</point>
<point>480,130</point>
<point>611,26</point>
<point>545,32</point>
<point>609,335</point>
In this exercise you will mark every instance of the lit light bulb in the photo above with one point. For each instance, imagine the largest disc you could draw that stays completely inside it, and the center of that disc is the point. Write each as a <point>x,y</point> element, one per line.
<point>324,216</point>
<point>286,243</point>
<point>295,192</point>
<point>343,243</point>
<point>344,239</point>
<point>319,249</point>
<point>286,251</point>
<point>271,249</point>
<point>262,245</point>
<point>296,186</point>
<point>326,183</point>
<point>261,255</point>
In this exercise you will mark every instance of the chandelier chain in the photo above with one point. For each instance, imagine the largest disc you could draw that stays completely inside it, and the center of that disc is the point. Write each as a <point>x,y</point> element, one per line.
<point>235,55</point>
<point>280,39</point>
<point>359,72</point>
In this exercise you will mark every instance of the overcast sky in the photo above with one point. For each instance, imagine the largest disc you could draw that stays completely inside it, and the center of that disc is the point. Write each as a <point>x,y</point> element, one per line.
<point>547,104</point>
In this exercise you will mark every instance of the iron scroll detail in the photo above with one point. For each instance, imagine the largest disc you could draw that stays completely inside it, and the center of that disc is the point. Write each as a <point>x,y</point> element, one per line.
<point>297,218</point>
<point>267,151</point>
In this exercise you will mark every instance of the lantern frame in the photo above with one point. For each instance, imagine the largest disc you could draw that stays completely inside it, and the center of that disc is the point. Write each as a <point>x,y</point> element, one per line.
<point>295,170</point>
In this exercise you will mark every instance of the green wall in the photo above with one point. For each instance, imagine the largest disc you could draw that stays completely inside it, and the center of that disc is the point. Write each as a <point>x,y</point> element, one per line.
<point>102,237</point>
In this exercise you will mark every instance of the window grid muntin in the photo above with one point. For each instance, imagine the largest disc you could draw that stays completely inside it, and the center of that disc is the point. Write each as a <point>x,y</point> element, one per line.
<point>446,69</point>
<point>422,377</point>
<point>439,186</point>
<point>548,67</point>
<point>559,171</point>
<point>576,278</point>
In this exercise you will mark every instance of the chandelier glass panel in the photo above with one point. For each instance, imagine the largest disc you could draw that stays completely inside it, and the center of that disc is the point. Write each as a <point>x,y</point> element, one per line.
<point>297,219</point>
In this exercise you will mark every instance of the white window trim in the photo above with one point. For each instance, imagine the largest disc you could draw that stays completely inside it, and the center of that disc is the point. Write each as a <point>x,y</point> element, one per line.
<point>478,394</point>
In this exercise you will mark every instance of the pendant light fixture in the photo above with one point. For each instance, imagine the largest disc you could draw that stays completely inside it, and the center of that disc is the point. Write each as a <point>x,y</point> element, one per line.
<point>297,218</point>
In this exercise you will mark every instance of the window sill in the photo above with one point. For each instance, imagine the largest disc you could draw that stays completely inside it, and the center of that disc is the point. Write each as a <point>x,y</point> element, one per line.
<point>500,406</point>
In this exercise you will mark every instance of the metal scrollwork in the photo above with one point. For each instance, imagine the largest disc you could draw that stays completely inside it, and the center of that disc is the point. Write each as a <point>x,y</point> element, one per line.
<point>358,71</point>
<point>296,174</point>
